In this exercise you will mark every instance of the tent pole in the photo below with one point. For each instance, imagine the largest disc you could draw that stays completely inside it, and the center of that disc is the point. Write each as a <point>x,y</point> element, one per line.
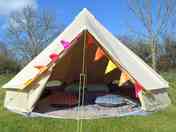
<point>82,84</point>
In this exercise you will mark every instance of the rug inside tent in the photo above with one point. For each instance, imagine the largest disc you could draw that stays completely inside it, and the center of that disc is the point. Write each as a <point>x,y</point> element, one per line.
<point>91,111</point>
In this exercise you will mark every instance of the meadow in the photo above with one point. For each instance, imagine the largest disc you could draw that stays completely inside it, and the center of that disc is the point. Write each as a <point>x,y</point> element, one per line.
<point>164,121</point>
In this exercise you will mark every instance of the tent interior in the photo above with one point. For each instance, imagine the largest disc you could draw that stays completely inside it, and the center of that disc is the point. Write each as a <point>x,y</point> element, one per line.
<point>78,63</point>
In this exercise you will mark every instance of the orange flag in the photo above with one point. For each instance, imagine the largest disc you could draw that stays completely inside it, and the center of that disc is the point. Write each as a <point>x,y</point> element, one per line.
<point>41,68</point>
<point>99,54</point>
<point>123,78</point>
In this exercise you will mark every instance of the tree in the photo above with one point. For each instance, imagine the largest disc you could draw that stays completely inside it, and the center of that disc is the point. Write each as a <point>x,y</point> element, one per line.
<point>156,18</point>
<point>139,46</point>
<point>170,49</point>
<point>8,63</point>
<point>3,49</point>
<point>30,31</point>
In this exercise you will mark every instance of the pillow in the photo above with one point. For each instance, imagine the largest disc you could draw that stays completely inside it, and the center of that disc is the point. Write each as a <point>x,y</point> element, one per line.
<point>54,83</point>
<point>110,100</point>
<point>72,88</point>
<point>97,88</point>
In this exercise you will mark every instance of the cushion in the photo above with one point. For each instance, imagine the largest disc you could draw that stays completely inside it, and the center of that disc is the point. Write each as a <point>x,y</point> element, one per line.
<point>97,88</point>
<point>74,88</point>
<point>110,100</point>
<point>54,83</point>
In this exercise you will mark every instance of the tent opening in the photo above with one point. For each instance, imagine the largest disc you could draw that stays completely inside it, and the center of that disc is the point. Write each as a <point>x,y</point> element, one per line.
<point>105,87</point>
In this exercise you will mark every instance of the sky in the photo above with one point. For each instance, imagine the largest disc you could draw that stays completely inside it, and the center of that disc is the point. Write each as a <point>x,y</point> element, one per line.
<point>113,14</point>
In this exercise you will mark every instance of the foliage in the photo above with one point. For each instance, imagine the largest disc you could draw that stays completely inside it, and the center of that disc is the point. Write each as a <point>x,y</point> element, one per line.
<point>142,49</point>
<point>8,63</point>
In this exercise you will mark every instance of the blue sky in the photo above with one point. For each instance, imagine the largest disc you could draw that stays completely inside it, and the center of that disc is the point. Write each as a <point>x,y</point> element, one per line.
<point>113,14</point>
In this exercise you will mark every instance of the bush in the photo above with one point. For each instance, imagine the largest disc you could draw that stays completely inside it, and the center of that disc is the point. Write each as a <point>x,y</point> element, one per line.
<point>8,65</point>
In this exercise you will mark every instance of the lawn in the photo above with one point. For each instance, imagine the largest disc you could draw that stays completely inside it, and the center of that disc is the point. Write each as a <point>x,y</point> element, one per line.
<point>164,121</point>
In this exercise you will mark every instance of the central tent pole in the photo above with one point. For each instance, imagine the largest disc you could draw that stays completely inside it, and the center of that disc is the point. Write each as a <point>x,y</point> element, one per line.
<point>82,84</point>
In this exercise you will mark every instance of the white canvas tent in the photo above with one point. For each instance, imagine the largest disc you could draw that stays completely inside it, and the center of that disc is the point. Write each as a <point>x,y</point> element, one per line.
<point>22,98</point>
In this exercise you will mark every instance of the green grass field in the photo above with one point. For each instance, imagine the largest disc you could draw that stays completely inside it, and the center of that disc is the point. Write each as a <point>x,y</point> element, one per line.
<point>164,121</point>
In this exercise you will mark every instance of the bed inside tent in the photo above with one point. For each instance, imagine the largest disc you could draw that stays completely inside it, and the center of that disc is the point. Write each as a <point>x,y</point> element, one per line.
<point>87,79</point>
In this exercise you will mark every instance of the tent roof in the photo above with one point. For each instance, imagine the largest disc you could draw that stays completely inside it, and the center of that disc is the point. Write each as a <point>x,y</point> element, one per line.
<point>135,66</point>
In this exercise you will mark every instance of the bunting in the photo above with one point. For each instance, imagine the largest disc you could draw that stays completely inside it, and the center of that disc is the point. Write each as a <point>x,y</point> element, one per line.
<point>65,44</point>
<point>28,82</point>
<point>138,88</point>
<point>110,67</point>
<point>54,57</point>
<point>41,68</point>
<point>90,41</point>
<point>99,54</point>
<point>123,78</point>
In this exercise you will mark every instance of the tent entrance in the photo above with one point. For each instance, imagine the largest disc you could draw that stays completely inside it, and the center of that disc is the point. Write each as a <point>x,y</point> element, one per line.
<point>99,91</point>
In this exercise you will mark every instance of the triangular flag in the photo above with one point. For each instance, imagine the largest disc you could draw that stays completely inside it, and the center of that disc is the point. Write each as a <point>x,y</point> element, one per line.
<point>99,54</point>
<point>123,78</point>
<point>111,66</point>
<point>90,41</point>
<point>54,57</point>
<point>138,88</point>
<point>41,68</point>
<point>28,82</point>
<point>65,44</point>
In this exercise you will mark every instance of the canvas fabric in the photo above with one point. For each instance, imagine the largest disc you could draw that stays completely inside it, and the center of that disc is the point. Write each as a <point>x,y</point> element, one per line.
<point>24,100</point>
<point>155,100</point>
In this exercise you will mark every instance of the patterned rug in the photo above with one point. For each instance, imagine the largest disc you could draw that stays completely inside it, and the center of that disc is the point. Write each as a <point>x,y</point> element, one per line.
<point>92,111</point>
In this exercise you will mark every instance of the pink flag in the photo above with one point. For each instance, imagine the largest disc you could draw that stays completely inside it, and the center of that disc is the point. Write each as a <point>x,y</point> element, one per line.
<point>54,57</point>
<point>138,88</point>
<point>65,44</point>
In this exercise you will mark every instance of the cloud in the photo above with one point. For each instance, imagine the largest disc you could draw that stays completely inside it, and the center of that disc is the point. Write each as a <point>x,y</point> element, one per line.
<point>9,6</point>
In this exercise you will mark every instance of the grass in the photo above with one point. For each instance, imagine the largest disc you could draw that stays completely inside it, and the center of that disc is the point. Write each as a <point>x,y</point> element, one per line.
<point>164,121</point>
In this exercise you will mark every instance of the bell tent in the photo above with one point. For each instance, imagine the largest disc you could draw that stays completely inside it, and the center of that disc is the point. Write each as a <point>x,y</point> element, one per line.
<point>85,62</point>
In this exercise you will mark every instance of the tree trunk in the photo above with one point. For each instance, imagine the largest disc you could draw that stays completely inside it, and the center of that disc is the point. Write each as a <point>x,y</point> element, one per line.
<point>154,54</point>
